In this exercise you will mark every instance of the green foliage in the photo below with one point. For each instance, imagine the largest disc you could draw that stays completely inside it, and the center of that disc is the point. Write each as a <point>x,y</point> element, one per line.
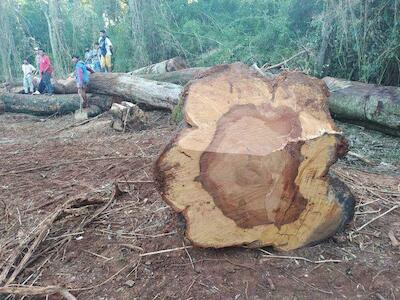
<point>363,42</point>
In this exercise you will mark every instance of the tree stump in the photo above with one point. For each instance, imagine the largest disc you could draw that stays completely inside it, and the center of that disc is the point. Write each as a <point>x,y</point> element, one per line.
<point>127,116</point>
<point>251,166</point>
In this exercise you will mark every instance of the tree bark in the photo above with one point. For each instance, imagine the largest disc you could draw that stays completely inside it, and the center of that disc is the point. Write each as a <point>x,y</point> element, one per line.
<point>131,88</point>
<point>137,32</point>
<point>369,105</point>
<point>169,65</point>
<point>325,36</point>
<point>42,105</point>
<point>251,166</point>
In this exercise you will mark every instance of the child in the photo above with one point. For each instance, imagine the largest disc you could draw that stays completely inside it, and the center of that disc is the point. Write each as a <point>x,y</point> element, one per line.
<point>82,79</point>
<point>28,71</point>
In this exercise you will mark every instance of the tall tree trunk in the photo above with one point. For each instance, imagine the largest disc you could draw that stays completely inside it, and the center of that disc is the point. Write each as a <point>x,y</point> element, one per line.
<point>54,22</point>
<point>325,36</point>
<point>137,32</point>
<point>7,45</point>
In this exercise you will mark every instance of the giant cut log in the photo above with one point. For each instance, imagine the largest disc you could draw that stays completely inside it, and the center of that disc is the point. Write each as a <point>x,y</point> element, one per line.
<point>372,106</point>
<point>251,166</point>
<point>135,89</point>
<point>169,65</point>
<point>42,105</point>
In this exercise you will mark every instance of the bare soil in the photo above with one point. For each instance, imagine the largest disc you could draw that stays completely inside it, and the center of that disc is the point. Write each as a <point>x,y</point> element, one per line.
<point>44,162</point>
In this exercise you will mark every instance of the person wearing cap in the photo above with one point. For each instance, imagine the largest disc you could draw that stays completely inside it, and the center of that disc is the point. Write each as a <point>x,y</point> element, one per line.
<point>105,47</point>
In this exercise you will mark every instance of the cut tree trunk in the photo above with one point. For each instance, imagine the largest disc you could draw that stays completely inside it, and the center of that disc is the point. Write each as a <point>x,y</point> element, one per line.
<point>139,90</point>
<point>251,166</point>
<point>169,65</point>
<point>42,105</point>
<point>369,105</point>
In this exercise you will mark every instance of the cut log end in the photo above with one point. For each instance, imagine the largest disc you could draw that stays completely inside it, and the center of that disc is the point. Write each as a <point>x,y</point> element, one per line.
<point>252,165</point>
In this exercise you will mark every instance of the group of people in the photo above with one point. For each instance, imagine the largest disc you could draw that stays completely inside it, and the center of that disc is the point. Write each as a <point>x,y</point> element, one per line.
<point>97,59</point>
<point>43,66</point>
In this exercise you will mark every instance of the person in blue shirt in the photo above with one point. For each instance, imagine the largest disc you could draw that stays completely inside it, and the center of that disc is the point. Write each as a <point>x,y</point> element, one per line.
<point>81,78</point>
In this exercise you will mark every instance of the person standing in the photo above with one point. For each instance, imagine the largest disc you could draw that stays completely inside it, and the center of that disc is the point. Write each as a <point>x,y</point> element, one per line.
<point>81,78</point>
<point>96,66</point>
<point>45,71</point>
<point>105,47</point>
<point>28,71</point>
<point>88,56</point>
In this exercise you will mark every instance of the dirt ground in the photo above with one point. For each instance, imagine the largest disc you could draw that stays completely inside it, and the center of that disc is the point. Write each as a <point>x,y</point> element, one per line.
<point>44,163</point>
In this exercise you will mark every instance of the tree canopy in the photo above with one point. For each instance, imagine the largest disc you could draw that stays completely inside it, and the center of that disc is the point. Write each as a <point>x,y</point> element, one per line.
<point>351,39</point>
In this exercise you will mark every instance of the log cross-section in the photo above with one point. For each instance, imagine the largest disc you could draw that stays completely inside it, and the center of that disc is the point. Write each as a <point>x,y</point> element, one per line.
<point>251,166</point>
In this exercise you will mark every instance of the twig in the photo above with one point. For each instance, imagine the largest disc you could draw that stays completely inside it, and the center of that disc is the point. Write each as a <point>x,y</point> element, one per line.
<point>310,285</point>
<point>165,251</point>
<point>102,283</point>
<point>79,124</point>
<point>98,255</point>
<point>360,157</point>
<point>264,67</point>
<point>188,254</point>
<point>191,285</point>
<point>377,217</point>
<point>36,291</point>
<point>270,255</point>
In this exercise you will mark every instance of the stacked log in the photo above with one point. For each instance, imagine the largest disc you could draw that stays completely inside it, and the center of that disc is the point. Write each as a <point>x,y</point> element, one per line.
<point>251,166</point>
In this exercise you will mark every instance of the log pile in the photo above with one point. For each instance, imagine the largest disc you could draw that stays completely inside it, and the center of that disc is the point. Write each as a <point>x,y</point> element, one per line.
<point>251,166</point>
<point>127,116</point>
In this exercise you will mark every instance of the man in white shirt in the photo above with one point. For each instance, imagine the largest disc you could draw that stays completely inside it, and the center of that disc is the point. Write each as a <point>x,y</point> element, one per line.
<point>105,47</point>
<point>28,71</point>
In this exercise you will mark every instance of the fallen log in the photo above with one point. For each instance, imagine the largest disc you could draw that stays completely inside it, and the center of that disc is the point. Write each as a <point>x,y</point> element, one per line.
<point>43,105</point>
<point>139,90</point>
<point>169,65</point>
<point>65,86</point>
<point>180,77</point>
<point>251,165</point>
<point>372,106</point>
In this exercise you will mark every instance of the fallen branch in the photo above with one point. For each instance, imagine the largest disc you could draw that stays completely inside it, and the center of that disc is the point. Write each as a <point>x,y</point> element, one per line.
<point>36,291</point>
<point>22,255</point>
<point>360,157</point>
<point>264,67</point>
<point>79,124</point>
<point>377,217</point>
<point>165,251</point>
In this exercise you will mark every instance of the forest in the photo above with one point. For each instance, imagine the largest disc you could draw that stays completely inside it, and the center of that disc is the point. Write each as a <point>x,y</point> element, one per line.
<point>199,149</point>
<point>349,39</point>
